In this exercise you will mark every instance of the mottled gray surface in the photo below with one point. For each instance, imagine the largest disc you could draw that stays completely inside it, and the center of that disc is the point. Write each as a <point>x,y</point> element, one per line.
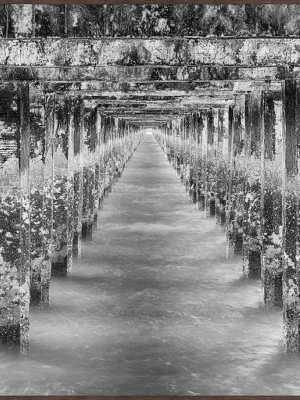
<point>153,307</point>
<point>110,20</point>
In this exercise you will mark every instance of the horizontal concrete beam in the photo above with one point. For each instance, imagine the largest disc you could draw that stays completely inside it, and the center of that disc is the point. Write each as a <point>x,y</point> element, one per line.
<point>172,88</point>
<point>123,20</point>
<point>144,73</point>
<point>152,52</point>
<point>96,20</point>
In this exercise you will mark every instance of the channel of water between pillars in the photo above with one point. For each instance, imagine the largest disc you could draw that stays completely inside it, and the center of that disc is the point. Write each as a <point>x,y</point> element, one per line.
<point>153,307</point>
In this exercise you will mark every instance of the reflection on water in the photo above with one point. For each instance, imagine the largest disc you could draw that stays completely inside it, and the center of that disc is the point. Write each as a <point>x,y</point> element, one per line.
<point>153,307</point>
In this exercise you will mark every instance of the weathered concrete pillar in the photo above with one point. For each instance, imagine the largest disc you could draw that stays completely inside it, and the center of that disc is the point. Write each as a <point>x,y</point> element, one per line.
<point>204,155</point>
<point>41,194</point>
<point>97,189</point>
<point>101,159</point>
<point>238,178</point>
<point>212,130</point>
<point>107,155</point>
<point>291,304</point>
<point>14,217</point>
<point>89,146</point>
<point>230,238</point>
<point>78,120</point>
<point>271,235</point>
<point>222,168</point>
<point>194,159</point>
<point>174,144</point>
<point>198,134</point>
<point>184,151</point>
<point>63,193</point>
<point>252,187</point>
<point>24,260</point>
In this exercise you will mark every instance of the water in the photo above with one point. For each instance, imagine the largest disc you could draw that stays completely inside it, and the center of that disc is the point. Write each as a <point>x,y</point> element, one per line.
<point>153,307</point>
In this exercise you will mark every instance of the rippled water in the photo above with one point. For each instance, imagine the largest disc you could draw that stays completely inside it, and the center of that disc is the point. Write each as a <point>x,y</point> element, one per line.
<point>153,307</point>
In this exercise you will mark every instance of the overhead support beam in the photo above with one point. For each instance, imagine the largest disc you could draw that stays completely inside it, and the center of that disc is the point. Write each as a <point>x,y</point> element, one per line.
<point>167,89</point>
<point>125,74</point>
<point>257,52</point>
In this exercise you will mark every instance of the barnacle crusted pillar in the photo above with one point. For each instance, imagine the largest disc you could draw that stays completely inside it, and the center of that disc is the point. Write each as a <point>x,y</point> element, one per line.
<point>222,167</point>
<point>193,158</point>
<point>230,242</point>
<point>14,218</point>
<point>211,164</point>
<point>63,190</point>
<point>107,154</point>
<point>78,118</point>
<point>236,178</point>
<point>89,143</point>
<point>291,303</point>
<point>101,155</point>
<point>252,187</point>
<point>97,189</point>
<point>203,165</point>
<point>41,194</point>
<point>198,168</point>
<point>271,273</point>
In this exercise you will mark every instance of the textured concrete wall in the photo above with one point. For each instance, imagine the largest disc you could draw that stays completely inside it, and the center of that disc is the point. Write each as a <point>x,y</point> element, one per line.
<point>134,52</point>
<point>246,20</point>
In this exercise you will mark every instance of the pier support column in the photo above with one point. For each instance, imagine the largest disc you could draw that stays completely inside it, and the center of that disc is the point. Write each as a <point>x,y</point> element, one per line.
<point>194,159</point>
<point>230,238</point>
<point>89,146</point>
<point>222,168</point>
<point>271,273</point>
<point>97,189</point>
<point>291,302</point>
<point>198,171</point>
<point>101,157</point>
<point>14,219</point>
<point>78,118</point>
<point>212,129</point>
<point>63,191</point>
<point>203,176</point>
<point>41,195</point>
<point>252,188</point>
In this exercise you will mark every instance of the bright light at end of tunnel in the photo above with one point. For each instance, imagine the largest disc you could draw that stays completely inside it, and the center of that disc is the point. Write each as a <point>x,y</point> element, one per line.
<point>149,132</point>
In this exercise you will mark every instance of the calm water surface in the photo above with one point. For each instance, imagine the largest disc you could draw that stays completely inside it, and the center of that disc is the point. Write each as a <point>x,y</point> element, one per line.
<point>153,307</point>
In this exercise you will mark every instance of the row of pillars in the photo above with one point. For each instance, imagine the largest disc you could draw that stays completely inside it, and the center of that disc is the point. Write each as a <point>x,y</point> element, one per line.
<point>240,164</point>
<point>67,158</point>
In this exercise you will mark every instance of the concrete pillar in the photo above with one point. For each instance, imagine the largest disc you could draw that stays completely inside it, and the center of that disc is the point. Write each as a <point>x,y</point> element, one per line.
<point>212,129</point>
<point>193,159</point>
<point>63,191</point>
<point>89,146</point>
<point>271,236</point>
<point>238,177</point>
<point>101,121</point>
<point>78,118</point>
<point>222,168</point>
<point>197,155</point>
<point>204,155</point>
<point>184,151</point>
<point>107,154</point>
<point>97,188</point>
<point>41,195</point>
<point>15,219</point>
<point>252,187</point>
<point>290,204</point>
<point>230,232</point>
